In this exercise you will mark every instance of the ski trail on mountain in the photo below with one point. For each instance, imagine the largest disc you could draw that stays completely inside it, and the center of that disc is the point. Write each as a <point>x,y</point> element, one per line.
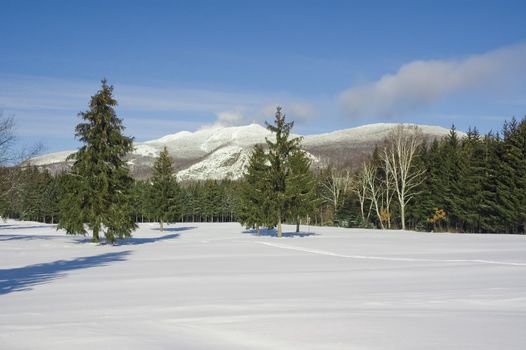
<point>366,257</point>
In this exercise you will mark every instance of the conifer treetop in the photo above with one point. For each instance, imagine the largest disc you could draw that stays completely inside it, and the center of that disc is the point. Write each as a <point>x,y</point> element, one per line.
<point>163,165</point>
<point>102,129</point>
<point>281,128</point>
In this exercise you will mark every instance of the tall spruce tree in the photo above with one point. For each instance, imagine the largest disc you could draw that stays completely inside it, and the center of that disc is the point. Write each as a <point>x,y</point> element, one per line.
<point>280,152</point>
<point>97,192</point>
<point>164,191</point>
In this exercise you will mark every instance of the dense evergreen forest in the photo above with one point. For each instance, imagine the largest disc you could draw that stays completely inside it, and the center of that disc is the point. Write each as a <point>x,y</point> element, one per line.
<point>473,183</point>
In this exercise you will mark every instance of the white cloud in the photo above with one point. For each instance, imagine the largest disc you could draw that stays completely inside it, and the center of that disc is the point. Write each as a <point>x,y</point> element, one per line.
<point>421,83</point>
<point>226,118</point>
<point>242,115</point>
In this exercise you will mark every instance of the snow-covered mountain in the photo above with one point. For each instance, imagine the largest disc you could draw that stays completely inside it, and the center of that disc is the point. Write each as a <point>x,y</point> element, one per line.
<point>219,153</point>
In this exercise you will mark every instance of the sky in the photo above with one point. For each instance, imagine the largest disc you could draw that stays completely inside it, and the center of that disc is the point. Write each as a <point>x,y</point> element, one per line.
<point>187,65</point>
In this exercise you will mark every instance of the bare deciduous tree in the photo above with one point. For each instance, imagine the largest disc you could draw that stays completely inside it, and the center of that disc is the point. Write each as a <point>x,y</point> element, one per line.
<point>337,183</point>
<point>399,160</point>
<point>361,189</point>
<point>11,161</point>
<point>372,190</point>
<point>388,184</point>
<point>7,138</point>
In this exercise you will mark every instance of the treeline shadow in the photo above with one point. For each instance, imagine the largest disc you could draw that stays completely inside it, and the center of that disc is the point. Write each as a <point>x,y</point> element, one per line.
<point>23,278</point>
<point>274,233</point>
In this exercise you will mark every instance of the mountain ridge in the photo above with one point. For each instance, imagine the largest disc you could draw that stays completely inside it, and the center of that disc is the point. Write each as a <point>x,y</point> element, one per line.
<point>223,152</point>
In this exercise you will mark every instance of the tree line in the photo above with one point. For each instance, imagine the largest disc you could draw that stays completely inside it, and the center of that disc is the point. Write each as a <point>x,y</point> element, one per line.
<point>475,183</point>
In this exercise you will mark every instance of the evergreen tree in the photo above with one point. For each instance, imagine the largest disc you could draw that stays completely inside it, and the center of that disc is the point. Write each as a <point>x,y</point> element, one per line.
<point>280,152</point>
<point>253,203</point>
<point>49,200</point>
<point>97,192</point>
<point>140,200</point>
<point>451,174</point>
<point>164,191</point>
<point>474,155</point>
<point>423,205</point>
<point>301,187</point>
<point>513,190</point>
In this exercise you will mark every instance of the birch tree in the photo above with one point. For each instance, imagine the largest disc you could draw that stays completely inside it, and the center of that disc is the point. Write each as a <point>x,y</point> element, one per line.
<point>336,184</point>
<point>399,160</point>
<point>361,190</point>
<point>388,184</point>
<point>372,189</point>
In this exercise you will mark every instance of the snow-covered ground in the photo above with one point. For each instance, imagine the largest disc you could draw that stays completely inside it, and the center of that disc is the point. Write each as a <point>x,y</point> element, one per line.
<point>214,286</point>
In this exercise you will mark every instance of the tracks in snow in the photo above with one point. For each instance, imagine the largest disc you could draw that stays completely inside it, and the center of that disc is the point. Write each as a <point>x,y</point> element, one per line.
<point>366,257</point>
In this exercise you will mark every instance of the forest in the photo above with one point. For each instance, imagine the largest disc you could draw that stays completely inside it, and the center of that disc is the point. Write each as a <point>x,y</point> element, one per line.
<point>466,184</point>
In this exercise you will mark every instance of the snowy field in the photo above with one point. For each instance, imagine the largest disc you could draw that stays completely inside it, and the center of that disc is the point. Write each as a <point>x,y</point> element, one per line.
<point>215,286</point>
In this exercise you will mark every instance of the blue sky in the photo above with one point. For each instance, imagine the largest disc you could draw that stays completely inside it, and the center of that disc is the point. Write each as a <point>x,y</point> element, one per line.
<point>184,65</point>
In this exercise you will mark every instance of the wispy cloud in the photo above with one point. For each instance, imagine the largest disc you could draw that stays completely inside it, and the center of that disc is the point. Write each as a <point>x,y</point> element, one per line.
<point>419,84</point>
<point>149,112</point>
<point>26,92</point>
<point>240,115</point>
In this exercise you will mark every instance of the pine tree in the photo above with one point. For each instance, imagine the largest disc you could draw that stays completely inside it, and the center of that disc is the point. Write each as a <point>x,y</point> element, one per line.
<point>253,203</point>
<point>49,200</point>
<point>451,173</point>
<point>98,189</point>
<point>474,157</point>
<point>164,191</point>
<point>513,187</point>
<point>301,187</point>
<point>140,200</point>
<point>423,206</point>
<point>279,155</point>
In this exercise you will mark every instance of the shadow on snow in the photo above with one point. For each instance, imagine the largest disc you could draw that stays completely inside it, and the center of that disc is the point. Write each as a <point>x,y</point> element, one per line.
<point>175,229</point>
<point>23,278</point>
<point>27,237</point>
<point>18,227</point>
<point>138,241</point>
<point>274,233</point>
<point>145,240</point>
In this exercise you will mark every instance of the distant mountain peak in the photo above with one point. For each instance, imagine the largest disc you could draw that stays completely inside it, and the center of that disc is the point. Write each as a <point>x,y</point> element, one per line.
<point>223,152</point>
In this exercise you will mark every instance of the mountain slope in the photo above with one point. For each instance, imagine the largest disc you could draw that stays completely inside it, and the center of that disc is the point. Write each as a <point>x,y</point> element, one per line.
<point>220,153</point>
